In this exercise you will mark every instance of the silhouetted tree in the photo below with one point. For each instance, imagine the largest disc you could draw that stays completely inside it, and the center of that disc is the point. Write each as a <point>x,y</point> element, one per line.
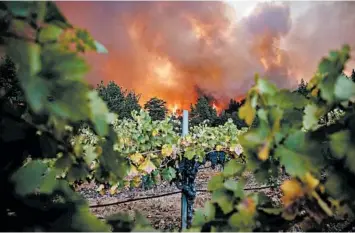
<point>233,106</point>
<point>231,112</point>
<point>9,84</point>
<point>202,111</point>
<point>118,100</point>
<point>157,108</point>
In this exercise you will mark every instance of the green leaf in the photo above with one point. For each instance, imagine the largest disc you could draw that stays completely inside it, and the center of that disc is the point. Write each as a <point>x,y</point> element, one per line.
<point>233,168</point>
<point>311,116</point>
<point>327,87</point>
<point>210,211</point>
<point>324,65</point>
<point>67,66</point>
<point>288,100</point>
<point>49,182</point>
<point>243,221</point>
<point>344,88</point>
<point>111,159</point>
<point>231,185</point>
<point>82,216</point>
<point>77,172</point>
<point>339,143</point>
<point>350,160</point>
<point>236,186</point>
<point>223,200</point>
<point>37,91</point>
<point>99,113</point>
<point>20,8</point>
<point>266,87</point>
<point>73,104</point>
<point>90,154</point>
<point>189,154</point>
<point>215,183</point>
<point>28,56</point>
<point>29,177</point>
<point>199,217</point>
<point>296,164</point>
<point>168,173</point>
<point>49,33</point>
<point>100,48</point>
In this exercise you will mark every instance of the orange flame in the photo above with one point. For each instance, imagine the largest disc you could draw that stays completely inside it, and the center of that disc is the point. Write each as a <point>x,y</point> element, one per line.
<point>217,108</point>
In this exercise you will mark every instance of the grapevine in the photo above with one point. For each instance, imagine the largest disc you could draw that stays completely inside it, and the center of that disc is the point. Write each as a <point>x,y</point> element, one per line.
<point>154,149</point>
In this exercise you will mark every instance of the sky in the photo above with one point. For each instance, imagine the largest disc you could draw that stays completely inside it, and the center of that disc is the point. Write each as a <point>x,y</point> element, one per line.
<point>172,49</point>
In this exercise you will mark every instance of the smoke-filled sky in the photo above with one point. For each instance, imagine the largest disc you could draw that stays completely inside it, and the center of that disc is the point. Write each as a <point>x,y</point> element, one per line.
<point>168,49</point>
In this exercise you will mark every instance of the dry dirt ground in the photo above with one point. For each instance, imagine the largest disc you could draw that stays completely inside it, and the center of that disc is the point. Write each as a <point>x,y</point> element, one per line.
<point>162,212</point>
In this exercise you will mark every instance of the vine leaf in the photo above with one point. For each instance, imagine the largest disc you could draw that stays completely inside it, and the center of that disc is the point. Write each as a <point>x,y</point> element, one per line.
<point>243,221</point>
<point>49,33</point>
<point>344,89</point>
<point>215,183</point>
<point>20,9</point>
<point>210,211</point>
<point>233,168</point>
<point>223,199</point>
<point>82,216</point>
<point>99,113</point>
<point>100,48</point>
<point>29,178</point>
<point>311,116</point>
<point>168,173</point>
<point>49,182</point>
<point>340,143</point>
<point>296,164</point>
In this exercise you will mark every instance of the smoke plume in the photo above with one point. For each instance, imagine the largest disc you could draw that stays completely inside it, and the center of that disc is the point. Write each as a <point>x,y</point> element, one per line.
<point>167,49</point>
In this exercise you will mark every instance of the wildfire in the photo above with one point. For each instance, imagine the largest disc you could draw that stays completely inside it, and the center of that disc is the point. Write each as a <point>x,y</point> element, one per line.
<point>216,107</point>
<point>175,109</point>
<point>163,71</point>
<point>172,49</point>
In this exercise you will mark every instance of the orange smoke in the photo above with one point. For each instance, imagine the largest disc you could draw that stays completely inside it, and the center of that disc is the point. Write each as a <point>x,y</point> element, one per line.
<point>171,49</point>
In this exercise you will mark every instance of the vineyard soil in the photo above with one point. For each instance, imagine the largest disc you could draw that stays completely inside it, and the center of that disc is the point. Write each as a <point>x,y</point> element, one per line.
<point>162,212</point>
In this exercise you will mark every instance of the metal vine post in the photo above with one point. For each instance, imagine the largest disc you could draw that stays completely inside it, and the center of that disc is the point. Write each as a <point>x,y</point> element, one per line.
<point>185,131</point>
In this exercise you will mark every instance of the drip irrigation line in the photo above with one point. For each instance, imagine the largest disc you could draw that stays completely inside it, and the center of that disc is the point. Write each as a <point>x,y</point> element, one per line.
<point>134,199</point>
<point>262,187</point>
<point>245,189</point>
<point>169,194</point>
